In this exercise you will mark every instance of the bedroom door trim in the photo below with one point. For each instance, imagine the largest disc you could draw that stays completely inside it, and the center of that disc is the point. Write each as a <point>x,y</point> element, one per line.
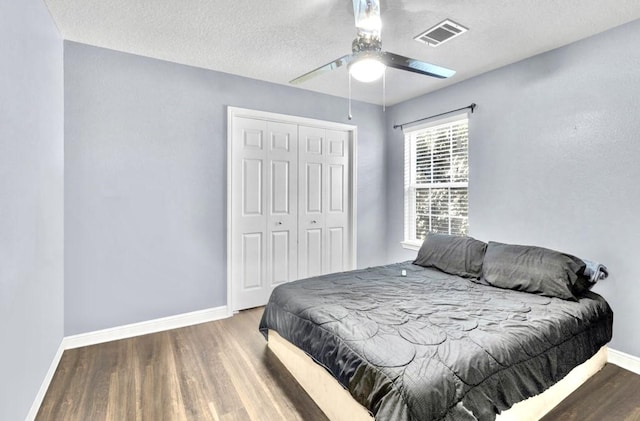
<point>237,112</point>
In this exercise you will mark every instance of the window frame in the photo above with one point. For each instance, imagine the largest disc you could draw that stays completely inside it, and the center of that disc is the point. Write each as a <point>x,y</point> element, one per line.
<point>409,185</point>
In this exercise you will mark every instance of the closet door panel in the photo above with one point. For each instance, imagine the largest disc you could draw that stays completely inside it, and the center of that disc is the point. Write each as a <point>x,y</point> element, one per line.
<point>313,188</point>
<point>282,218</point>
<point>336,249</point>
<point>252,186</point>
<point>337,193</point>
<point>280,257</point>
<point>314,245</point>
<point>312,203</point>
<point>280,179</point>
<point>252,258</point>
<point>249,245</point>
<point>336,214</point>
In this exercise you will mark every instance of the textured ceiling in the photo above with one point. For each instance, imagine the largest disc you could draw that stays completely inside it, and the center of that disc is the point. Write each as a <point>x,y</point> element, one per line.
<point>278,40</point>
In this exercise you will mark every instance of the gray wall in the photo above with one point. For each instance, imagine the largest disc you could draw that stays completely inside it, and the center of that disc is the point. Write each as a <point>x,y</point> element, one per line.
<point>145,182</point>
<point>31,201</point>
<point>554,160</point>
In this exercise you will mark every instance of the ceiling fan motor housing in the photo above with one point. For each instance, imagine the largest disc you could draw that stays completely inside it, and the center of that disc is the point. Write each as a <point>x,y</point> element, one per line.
<point>365,43</point>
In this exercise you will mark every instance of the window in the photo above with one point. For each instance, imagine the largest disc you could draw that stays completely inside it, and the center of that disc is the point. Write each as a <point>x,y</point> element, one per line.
<point>436,179</point>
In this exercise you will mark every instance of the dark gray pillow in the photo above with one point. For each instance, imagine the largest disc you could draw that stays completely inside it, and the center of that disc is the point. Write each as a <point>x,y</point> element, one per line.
<point>452,254</point>
<point>532,269</point>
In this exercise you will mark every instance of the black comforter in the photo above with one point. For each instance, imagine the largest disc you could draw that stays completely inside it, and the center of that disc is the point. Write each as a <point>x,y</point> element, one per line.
<point>432,346</point>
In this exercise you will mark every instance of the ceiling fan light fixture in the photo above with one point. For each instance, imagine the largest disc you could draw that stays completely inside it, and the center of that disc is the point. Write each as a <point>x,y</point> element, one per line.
<point>367,69</point>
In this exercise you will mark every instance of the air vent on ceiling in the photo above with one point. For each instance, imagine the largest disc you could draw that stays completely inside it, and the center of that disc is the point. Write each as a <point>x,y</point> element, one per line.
<point>442,32</point>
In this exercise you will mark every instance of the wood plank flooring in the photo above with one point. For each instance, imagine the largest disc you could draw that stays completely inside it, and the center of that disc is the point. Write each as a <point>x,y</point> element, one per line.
<point>219,371</point>
<point>223,371</point>
<point>612,394</point>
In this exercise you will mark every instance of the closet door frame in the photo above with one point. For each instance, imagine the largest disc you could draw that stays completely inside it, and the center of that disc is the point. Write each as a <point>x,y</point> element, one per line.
<point>236,112</point>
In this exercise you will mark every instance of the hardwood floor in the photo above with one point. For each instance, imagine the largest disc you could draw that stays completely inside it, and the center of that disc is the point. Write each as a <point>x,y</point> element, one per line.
<point>612,394</point>
<point>223,371</point>
<point>219,371</point>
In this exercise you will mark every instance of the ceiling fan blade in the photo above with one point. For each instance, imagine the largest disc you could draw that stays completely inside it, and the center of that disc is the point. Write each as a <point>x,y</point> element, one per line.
<point>367,15</point>
<point>412,65</point>
<point>323,69</point>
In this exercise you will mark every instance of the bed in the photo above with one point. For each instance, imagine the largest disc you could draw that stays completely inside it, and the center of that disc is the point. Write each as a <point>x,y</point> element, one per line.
<point>405,342</point>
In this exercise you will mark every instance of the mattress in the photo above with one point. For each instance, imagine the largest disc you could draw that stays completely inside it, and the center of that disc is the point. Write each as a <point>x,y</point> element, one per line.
<point>432,346</point>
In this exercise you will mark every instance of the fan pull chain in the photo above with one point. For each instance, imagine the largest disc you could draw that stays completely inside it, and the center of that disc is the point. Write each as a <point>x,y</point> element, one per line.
<point>350,117</point>
<point>384,91</point>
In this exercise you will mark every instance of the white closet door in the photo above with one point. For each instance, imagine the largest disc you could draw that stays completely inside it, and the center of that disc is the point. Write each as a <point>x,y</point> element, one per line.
<point>323,227</point>
<point>336,215</point>
<point>264,207</point>
<point>311,233</point>
<point>282,218</point>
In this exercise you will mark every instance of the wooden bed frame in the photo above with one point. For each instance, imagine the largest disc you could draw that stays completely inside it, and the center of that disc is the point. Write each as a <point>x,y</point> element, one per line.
<point>336,402</point>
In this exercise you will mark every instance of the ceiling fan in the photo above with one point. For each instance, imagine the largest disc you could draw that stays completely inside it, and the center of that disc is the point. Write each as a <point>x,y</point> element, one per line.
<point>367,62</point>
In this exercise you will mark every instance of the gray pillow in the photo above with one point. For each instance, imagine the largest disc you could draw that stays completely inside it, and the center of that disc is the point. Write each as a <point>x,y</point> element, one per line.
<point>532,269</point>
<point>452,254</point>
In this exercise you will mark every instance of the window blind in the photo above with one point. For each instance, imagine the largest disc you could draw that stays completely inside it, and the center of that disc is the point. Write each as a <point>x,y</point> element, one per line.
<point>437,179</point>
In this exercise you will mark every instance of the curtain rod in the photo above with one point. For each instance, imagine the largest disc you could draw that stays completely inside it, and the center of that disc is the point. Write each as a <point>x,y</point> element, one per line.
<point>471,107</point>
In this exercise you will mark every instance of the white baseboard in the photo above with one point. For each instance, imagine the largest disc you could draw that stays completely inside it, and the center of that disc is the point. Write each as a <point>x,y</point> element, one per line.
<point>626,361</point>
<point>143,328</point>
<point>35,407</point>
